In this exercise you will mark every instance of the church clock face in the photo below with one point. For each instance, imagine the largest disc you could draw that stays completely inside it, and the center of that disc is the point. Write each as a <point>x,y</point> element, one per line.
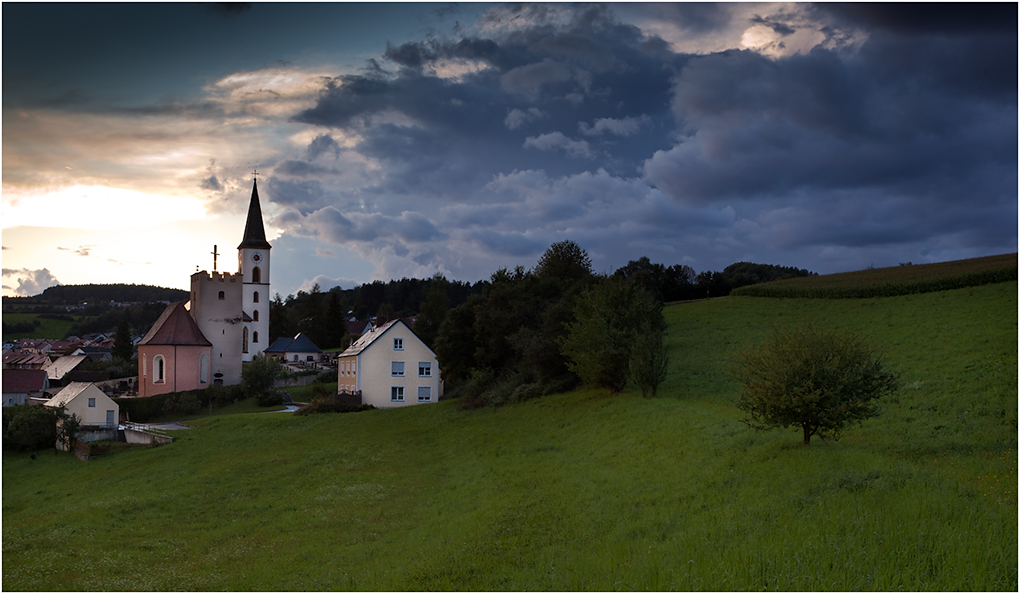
<point>256,257</point>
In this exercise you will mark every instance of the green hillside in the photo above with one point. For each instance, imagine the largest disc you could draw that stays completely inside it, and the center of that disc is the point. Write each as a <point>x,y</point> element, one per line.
<point>579,491</point>
<point>892,281</point>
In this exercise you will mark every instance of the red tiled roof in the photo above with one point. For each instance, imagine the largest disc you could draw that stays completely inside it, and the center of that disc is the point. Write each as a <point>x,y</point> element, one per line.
<point>175,326</point>
<point>24,380</point>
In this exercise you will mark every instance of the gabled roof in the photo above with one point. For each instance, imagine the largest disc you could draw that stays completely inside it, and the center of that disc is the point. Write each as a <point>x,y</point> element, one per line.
<point>70,392</point>
<point>24,380</point>
<point>279,345</point>
<point>358,326</point>
<point>254,232</point>
<point>370,337</point>
<point>175,326</point>
<point>59,368</point>
<point>298,344</point>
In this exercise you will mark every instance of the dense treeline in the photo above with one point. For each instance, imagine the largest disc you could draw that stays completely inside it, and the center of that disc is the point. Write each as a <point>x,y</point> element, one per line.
<point>323,315</point>
<point>540,331</point>
<point>504,344</point>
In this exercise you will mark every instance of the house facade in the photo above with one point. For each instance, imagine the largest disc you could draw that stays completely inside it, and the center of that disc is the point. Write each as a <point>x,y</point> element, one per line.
<point>21,384</point>
<point>98,414</point>
<point>391,367</point>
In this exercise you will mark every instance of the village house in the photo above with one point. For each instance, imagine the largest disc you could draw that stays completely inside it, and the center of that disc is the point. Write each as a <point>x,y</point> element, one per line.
<point>391,367</point>
<point>63,367</point>
<point>21,384</point>
<point>98,413</point>
<point>299,349</point>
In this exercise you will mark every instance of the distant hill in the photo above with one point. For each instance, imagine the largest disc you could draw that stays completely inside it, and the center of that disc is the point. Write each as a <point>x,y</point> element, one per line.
<point>73,294</point>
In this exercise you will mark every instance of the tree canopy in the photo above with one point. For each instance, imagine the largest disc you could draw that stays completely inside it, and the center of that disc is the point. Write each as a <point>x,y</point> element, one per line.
<point>818,380</point>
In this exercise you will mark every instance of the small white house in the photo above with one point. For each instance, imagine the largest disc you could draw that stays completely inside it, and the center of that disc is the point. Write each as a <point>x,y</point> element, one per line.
<point>299,349</point>
<point>391,367</point>
<point>88,403</point>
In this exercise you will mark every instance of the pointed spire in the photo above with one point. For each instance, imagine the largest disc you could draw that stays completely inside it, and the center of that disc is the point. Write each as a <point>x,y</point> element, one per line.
<point>254,232</point>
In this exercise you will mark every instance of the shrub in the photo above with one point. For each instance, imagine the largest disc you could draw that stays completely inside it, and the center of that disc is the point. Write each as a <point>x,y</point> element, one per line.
<point>819,380</point>
<point>258,379</point>
<point>649,359</point>
<point>28,428</point>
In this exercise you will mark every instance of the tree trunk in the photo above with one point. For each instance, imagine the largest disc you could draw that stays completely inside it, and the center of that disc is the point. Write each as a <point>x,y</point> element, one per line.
<point>807,435</point>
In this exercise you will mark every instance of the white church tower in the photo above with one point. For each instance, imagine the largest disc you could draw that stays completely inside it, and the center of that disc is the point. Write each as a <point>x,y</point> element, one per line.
<point>253,266</point>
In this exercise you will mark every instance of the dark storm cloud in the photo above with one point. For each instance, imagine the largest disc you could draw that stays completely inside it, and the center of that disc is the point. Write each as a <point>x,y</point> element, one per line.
<point>332,225</point>
<point>228,9</point>
<point>322,144</point>
<point>561,122</point>
<point>899,118</point>
<point>928,18</point>
<point>473,127</point>
<point>303,169</point>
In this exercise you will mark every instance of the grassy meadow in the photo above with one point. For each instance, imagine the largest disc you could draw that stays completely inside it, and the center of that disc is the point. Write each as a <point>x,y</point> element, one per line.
<point>578,491</point>
<point>47,328</point>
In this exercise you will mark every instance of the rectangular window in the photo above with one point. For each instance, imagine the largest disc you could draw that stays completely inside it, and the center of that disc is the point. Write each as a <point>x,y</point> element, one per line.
<point>424,393</point>
<point>396,369</point>
<point>92,402</point>
<point>398,344</point>
<point>397,394</point>
<point>424,369</point>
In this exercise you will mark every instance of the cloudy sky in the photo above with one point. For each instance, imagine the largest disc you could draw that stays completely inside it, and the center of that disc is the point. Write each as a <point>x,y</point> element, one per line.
<point>398,140</point>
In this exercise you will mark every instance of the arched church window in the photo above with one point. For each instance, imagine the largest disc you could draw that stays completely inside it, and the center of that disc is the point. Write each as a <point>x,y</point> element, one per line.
<point>158,366</point>
<point>255,316</point>
<point>244,344</point>
<point>203,369</point>
<point>255,297</point>
<point>254,337</point>
<point>222,296</point>
<point>256,275</point>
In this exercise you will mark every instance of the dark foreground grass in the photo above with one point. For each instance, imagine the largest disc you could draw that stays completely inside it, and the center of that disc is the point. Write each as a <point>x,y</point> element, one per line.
<point>581,491</point>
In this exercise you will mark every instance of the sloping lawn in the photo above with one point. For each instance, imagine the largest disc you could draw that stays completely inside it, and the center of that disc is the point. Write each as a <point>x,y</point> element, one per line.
<point>579,491</point>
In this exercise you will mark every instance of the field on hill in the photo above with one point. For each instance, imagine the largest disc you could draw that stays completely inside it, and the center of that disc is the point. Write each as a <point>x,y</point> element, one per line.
<point>579,491</point>
<point>47,328</point>
<point>897,280</point>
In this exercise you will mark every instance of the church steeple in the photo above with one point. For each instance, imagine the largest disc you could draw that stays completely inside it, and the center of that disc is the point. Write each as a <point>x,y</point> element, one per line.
<point>254,232</point>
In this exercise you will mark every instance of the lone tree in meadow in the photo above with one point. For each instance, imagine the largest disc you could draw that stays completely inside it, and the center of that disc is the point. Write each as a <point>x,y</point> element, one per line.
<point>819,380</point>
<point>649,359</point>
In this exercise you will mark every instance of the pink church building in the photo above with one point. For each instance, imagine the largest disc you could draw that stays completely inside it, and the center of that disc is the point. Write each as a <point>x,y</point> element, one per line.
<point>174,355</point>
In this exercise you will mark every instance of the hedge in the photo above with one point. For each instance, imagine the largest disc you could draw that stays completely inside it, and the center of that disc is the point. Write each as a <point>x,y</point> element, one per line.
<point>144,410</point>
